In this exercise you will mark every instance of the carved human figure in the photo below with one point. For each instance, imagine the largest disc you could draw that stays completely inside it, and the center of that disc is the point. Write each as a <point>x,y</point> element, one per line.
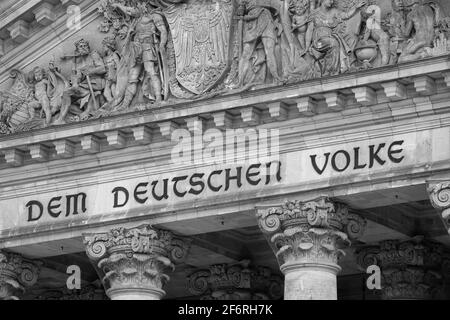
<point>148,51</point>
<point>420,23</point>
<point>395,24</point>
<point>87,81</point>
<point>260,29</point>
<point>300,10</point>
<point>41,87</point>
<point>375,32</point>
<point>325,41</point>
<point>112,60</point>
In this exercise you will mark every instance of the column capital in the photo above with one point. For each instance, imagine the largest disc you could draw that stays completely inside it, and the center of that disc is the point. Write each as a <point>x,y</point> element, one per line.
<point>16,274</point>
<point>440,199</point>
<point>236,282</point>
<point>134,261</point>
<point>311,231</point>
<point>410,269</point>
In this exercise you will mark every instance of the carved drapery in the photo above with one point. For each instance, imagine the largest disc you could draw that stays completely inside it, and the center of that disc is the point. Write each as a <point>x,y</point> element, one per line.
<point>410,269</point>
<point>16,274</point>
<point>236,282</point>
<point>196,49</point>
<point>136,259</point>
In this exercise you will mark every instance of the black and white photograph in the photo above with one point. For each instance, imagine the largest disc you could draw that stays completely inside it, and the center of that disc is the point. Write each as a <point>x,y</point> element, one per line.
<point>223,157</point>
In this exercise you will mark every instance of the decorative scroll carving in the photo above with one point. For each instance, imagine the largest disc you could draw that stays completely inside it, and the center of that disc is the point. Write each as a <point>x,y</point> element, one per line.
<point>158,52</point>
<point>440,199</point>
<point>310,232</point>
<point>16,274</point>
<point>135,258</point>
<point>236,282</point>
<point>410,269</point>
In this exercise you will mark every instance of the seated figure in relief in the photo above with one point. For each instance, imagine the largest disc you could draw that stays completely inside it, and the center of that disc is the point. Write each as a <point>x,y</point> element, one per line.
<point>87,82</point>
<point>326,41</point>
<point>420,23</point>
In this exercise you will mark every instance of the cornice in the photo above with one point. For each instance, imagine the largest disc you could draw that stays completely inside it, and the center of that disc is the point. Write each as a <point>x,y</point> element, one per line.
<point>241,106</point>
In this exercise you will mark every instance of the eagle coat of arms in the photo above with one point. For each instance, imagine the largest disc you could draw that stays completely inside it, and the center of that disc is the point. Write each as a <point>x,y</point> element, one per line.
<point>201,33</point>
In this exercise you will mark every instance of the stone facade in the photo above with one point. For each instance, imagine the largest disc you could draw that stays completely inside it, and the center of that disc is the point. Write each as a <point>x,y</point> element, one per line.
<point>224,149</point>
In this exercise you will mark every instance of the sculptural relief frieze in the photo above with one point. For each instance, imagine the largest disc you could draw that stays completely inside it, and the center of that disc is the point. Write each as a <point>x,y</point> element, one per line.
<point>164,51</point>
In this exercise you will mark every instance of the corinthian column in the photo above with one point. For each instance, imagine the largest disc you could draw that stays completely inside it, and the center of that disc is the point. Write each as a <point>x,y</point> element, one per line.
<point>16,274</point>
<point>409,269</point>
<point>236,282</point>
<point>134,261</point>
<point>307,238</point>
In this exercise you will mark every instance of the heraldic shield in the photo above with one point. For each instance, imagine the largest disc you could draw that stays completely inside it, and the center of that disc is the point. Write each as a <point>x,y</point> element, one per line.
<point>201,33</point>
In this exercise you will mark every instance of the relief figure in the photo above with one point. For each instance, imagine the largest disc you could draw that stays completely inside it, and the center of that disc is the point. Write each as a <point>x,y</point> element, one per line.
<point>87,82</point>
<point>419,28</point>
<point>145,52</point>
<point>261,30</point>
<point>329,45</point>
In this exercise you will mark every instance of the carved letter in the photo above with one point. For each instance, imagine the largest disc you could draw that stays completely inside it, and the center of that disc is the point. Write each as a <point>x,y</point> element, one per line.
<point>237,177</point>
<point>138,193</point>
<point>164,195</point>
<point>314,163</point>
<point>374,155</point>
<point>30,210</point>
<point>198,183</point>
<point>116,192</point>
<point>75,203</point>
<point>52,206</point>
<point>392,152</point>
<point>347,159</point>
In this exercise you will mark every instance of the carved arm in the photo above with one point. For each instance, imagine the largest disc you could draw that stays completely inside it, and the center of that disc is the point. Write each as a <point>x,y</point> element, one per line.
<point>127,10</point>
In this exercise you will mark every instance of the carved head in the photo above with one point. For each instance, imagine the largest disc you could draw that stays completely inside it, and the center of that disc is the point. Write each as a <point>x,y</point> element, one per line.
<point>109,43</point>
<point>299,7</point>
<point>82,47</point>
<point>398,5</point>
<point>38,73</point>
<point>328,3</point>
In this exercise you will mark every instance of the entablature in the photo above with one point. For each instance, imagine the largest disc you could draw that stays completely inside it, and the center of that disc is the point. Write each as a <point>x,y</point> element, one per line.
<point>315,108</point>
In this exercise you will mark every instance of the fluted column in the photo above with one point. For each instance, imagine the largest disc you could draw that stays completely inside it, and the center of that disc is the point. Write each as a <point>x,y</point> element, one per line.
<point>409,269</point>
<point>236,282</point>
<point>307,238</point>
<point>16,274</point>
<point>134,261</point>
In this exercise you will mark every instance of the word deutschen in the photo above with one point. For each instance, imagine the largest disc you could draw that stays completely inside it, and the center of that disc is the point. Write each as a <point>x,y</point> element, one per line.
<point>221,180</point>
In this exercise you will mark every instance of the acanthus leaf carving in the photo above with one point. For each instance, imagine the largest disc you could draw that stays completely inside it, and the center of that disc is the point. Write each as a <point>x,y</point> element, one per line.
<point>16,274</point>
<point>310,232</point>
<point>135,257</point>
<point>235,282</point>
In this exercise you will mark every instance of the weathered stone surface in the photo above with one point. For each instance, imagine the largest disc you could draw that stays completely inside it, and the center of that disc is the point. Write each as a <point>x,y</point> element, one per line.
<point>410,269</point>
<point>134,261</point>
<point>223,53</point>
<point>307,239</point>
<point>16,274</point>
<point>239,281</point>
